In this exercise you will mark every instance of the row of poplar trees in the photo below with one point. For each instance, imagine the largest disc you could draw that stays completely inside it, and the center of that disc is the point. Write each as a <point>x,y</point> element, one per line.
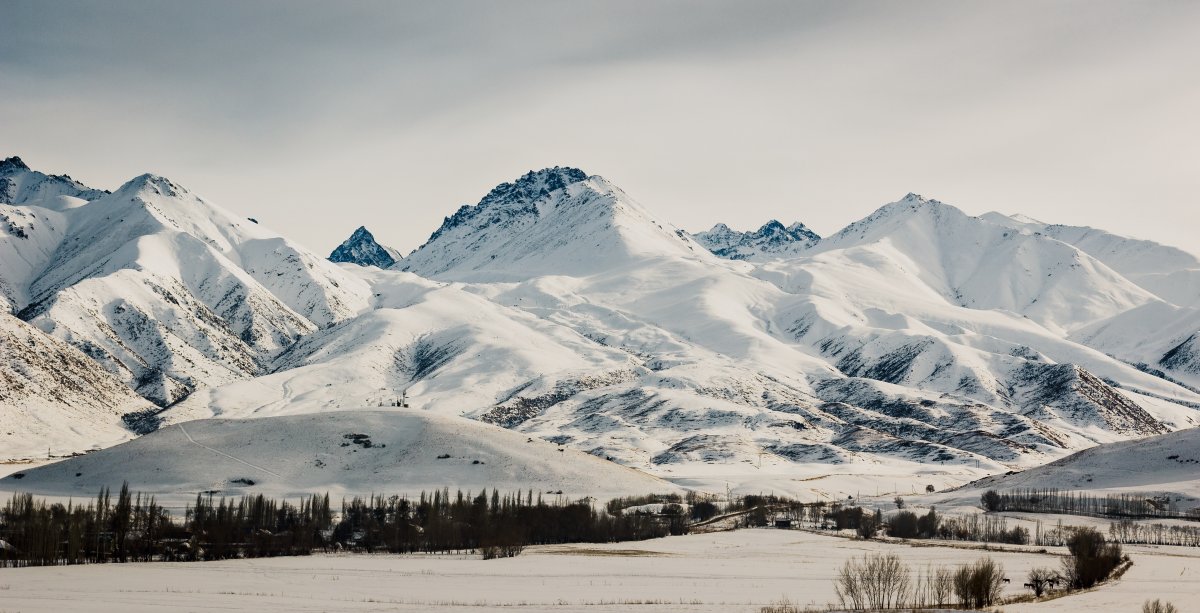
<point>134,528</point>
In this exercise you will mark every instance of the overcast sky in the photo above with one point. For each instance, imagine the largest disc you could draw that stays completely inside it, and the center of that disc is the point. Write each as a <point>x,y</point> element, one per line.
<point>319,117</point>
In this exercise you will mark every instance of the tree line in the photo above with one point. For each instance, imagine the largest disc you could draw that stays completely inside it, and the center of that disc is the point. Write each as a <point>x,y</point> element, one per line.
<point>1122,505</point>
<point>135,528</point>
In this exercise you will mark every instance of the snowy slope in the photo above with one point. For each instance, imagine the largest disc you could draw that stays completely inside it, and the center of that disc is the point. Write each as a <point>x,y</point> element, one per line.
<point>1159,337</point>
<point>1166,464</point>
<point>962,258</point>
<point>772,240</point>
<point>1168,272</point>
<point>362,249</point>
<point>352,452</point>
<point>53,398</point>
<point>28,238</point>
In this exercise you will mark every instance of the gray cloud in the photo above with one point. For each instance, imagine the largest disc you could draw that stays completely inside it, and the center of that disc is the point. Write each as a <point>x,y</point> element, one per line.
<point>317,117</point>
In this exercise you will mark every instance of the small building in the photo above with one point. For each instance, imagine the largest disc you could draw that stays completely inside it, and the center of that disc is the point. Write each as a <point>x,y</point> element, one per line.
<point>783,523</point>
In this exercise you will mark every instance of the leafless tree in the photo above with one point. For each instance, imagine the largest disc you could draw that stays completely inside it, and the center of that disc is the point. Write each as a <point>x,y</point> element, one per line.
<point>875,582</point>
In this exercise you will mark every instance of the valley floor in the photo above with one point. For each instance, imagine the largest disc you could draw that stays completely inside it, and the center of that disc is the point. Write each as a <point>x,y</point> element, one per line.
<point>729,571</point>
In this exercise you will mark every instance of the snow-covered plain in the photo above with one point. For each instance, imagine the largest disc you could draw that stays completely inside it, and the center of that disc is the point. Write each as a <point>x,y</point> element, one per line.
<point>736,571</point>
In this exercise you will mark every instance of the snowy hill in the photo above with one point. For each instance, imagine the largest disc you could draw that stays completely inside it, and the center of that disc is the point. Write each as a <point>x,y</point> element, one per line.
<point>362,249</point>
<point>772,240</point>
<point>359,452</point>
<point>1168,272</point>
<point>1166,464</point>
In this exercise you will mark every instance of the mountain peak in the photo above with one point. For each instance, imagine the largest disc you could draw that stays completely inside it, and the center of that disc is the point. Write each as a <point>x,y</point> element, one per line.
<point>555,221</point>
<point>534,184</point>
<point>772,239</point>
<point>515,199</point>
<point>143,184</point>
<point>362,249</point>
<point>12,164</point>
<point>19,184</point>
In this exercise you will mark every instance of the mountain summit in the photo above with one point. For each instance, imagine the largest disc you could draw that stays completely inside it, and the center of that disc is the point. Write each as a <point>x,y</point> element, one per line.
<point>773,239</point>
<point>362,249</point>
<point>552,221</point>
<point>19,184</point>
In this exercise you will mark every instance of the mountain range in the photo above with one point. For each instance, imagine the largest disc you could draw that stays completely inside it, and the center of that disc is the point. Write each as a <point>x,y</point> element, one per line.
<point>919,343</point>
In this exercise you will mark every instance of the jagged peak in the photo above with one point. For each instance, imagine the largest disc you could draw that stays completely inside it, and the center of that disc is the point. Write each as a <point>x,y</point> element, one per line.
<point>772,226</point>
<point>534,184</point>
<point>12,164</point>
<point>362,249</point>
<point>772,239</point>
<point>519,195</point>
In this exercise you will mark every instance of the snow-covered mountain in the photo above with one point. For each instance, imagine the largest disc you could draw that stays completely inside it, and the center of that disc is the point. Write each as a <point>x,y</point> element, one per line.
<point>772,240</point>
<point>553,221</point>
<point>362,249</point>
<point>20,184</point>
<point>1161,336</point>
<point>165,290</point>
<point>919,343</point>
<point>574,314</point>
<point>1168,272</point>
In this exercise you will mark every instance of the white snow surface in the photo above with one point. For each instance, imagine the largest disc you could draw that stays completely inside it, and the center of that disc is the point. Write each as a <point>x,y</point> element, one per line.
<point>1168,464</point>
<point>352,452</point>
<point>739,571</point>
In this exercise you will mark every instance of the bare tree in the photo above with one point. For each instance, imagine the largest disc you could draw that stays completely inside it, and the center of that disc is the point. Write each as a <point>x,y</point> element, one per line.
<point>978,585</point>
<point>876,582</point>
<point>1040,579</point>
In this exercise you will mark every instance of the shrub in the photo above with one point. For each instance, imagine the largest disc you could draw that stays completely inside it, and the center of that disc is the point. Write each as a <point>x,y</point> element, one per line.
<point>703,511</point>
<point>991,500</point>
<point>1092,558</point>
<point>927,524</point>
<point>903,525</point>
<point>1158,606</point>
<point>869,525</point>
<point>978,585</point>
